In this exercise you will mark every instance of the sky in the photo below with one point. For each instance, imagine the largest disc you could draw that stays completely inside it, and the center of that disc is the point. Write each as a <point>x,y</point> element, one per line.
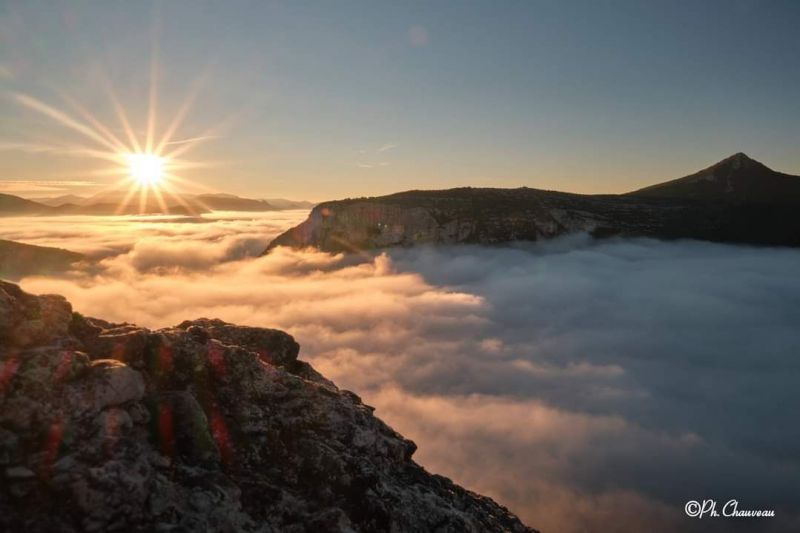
<point>325,100</point>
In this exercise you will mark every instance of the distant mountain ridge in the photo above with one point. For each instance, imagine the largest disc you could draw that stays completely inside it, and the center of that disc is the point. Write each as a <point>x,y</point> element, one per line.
<point>15,205</point>
<point>55,201</point>
<point>118,203</point>
<point>736,200</point>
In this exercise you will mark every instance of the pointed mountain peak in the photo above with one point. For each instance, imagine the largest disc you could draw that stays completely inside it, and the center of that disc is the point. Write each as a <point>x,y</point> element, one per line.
<point>737,178</point>
<point>734,162</point>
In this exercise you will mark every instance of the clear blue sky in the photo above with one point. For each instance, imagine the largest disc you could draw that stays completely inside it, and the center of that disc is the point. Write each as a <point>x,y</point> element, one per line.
<point>333,99</point>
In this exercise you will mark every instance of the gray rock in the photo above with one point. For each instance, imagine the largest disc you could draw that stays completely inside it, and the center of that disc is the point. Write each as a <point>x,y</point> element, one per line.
<point>113,383</point>
<point>218,428</point>
<point>27,320</point>
<point>19,472</point>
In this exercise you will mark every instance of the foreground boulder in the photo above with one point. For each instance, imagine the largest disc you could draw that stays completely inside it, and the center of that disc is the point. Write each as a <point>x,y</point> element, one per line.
<point>203,427</point>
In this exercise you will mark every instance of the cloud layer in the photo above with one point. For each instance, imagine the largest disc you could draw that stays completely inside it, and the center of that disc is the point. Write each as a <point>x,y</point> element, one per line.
<point>579,383</point>
<point>213,238</point>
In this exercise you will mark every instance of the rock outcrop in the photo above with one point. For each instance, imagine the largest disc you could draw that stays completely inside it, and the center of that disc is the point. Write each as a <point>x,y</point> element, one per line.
<point>738,200</point>
<point>205,426</point>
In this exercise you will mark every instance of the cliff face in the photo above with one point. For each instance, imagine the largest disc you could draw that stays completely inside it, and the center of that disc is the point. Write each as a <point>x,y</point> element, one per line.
<point>439,217</point>
<point>736,200</point>
<point>206,426</point>
<point>491,216</point>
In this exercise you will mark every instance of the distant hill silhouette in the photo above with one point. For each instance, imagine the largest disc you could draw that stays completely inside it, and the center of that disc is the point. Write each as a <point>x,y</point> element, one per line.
<point>18,260</point>
<point>119,203</point>
<point>736,200</point>
<point>60,200</point>
<point>14,205</point>
<point>736,179</point>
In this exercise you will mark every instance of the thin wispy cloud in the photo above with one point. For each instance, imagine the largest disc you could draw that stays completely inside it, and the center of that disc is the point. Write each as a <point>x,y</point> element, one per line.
<point>373,157</point>
<point>20,186</point>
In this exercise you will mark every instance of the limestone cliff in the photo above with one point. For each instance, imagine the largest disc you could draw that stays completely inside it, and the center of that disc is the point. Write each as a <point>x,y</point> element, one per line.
<point>737,200</point>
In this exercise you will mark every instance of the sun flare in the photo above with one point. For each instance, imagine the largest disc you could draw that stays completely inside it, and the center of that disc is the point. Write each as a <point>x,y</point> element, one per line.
<point>147,170</point>
<point>150,168</point>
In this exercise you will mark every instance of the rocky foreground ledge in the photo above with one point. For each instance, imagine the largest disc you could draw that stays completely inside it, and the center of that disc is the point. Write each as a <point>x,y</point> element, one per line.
<point>206,426</point>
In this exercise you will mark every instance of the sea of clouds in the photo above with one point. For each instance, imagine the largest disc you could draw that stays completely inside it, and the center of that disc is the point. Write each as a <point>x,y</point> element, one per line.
<point>578,382</point>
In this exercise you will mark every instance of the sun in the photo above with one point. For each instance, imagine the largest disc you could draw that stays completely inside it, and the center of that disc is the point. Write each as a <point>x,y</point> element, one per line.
<point>150,167</point>
<point>147,170</point>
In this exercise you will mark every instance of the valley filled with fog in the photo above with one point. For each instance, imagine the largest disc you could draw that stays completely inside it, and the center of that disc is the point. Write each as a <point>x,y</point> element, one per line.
<point>575,381</point>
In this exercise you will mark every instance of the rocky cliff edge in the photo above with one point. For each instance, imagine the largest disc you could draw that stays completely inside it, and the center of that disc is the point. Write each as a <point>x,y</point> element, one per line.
<point>205,426</point>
